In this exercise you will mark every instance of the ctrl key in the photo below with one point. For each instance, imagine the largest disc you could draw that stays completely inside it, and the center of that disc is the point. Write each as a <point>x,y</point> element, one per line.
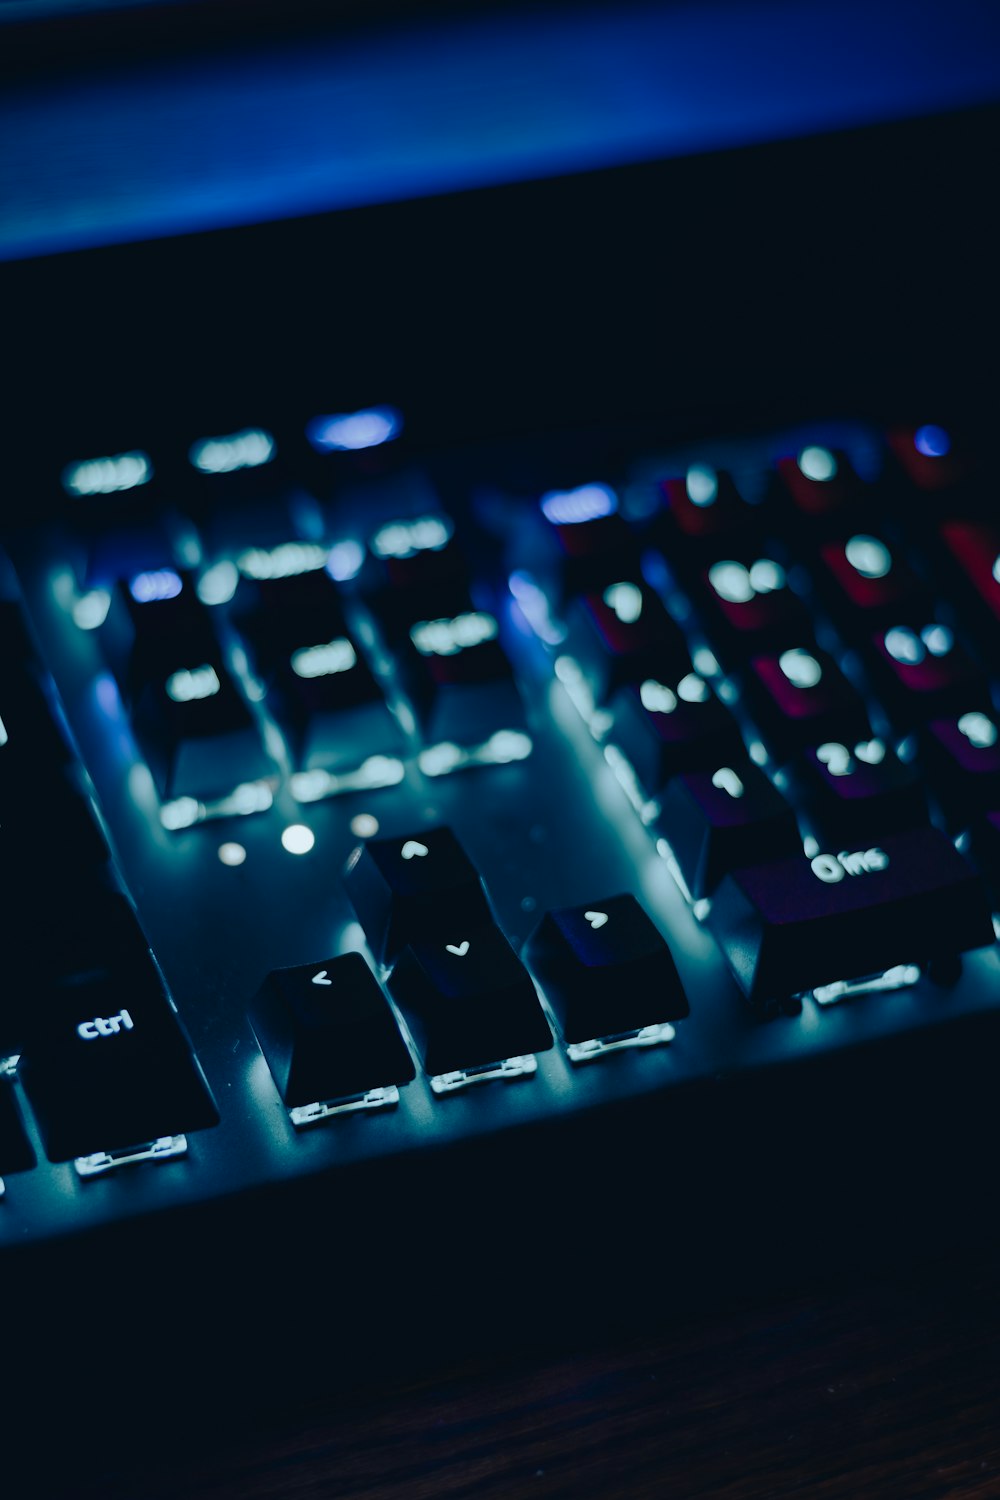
<point>109,1073</point>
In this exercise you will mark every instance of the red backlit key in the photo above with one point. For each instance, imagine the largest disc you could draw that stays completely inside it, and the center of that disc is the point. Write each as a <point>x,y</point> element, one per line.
<point>716,821</point>
<point>855,792</point>
<point>928,456</point>
<point>975,551</point>
<point>962,759</point>
<point>924,674</point>
<point>867,585</point>
<point>747,607</point>
<point>622,635</point>
<point>821,482</point>
<point>801,698</point>
<point>663,730</point>
<point>701,510</point>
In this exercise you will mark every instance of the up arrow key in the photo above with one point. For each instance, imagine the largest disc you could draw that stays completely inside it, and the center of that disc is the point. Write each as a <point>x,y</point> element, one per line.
<point>321,978</point>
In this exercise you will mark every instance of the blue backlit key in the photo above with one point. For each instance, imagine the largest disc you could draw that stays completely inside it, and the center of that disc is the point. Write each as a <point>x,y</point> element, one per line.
<point>715,821</point>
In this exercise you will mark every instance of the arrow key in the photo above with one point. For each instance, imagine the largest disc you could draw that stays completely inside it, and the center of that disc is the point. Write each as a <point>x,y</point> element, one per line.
<point>607,974</point>
<point>329,1034</point>
<point>470,1004</point>
<point>413,888</point>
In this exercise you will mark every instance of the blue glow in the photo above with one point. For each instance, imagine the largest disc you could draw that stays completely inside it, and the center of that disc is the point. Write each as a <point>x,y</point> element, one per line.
<point>345,560</point>
<point>150,588</point>
<point>350,431</point>
<point>239,450</point>
<point>931,441</point>
<point>572,507</point>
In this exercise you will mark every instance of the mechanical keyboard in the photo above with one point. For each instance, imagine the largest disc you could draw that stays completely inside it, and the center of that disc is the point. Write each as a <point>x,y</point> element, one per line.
<point>477,877</point>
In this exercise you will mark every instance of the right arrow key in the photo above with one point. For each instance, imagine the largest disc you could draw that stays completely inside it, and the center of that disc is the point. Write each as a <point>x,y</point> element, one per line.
<point>607,974</point>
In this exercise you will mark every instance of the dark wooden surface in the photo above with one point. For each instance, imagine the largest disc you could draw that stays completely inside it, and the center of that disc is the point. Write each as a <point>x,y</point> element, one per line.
<point>886,1385</point>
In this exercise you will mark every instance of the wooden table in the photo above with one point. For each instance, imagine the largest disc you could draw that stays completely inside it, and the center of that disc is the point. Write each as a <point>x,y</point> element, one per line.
<point>887,1386</point>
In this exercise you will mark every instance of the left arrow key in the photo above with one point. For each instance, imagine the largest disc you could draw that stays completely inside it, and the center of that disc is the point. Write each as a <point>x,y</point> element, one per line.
<point>328,1032</point>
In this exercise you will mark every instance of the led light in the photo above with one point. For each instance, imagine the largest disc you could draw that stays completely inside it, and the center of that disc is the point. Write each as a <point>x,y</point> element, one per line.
<point>108,476</point>
<point>868,556</point>
<point>324,661</point>
<point>191,685</point>
<point>904,645</point>
<point>836,758</point>
<point>4,736</point>
<point>150,588</point>
<point>938,639</point>
<point>240,450</point>
<point>285,561</point>
<point>932,441</point>
<point>438,760</point>
<point>448,637</point>
<point>406,538</point>
<point>348,432</point>
<point>218,584</point>
<point>626,601</point>
<point>705,663</point>
<point>657,698</point>
<point>727,780</point>
<point>573,507</point>
<point>766,576</point>
<point>702,484</point>
<point>183,812</point>
<point>297,838</point>
<point>364,825</point>
<point>232,854</point>
<point>692,689</point>
<point>345,560</point>
<point>980,731</point>
<point>731,581</point>
<point>91,610</point>
<point>818,464</point>
<point>534,607</point>
<point>801,669</point>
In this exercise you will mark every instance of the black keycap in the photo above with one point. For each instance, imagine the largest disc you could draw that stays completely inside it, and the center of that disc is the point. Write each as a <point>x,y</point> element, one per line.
<point>328,1032</point>
<point>962,760</point>
<point>48,830</point>
<point>415,887</point>
<point>717,821</point>
<point>664,730</point>
<point>605,969</point>
<point>930,457</point>
<point>853,793</point>
<point>973,549</point>
<point>16,1154</point>
<point>702,511</point>
<point>820,483</point>
<point>623,635</point>
<point>924,674</point>
<point>415,571</point>
<point>798,923</point>
<point>801,698</point>
<point>582,543</point>
<point>868,585</point>
<point>468,1000</point>
<point>277,615</point>
<point>746,607</point>
<point>331,708</point>
<point>107,1067</point>
<point>459,679</point>
<point>155,625</point>
<point>30,735</point>
<point>985,839</point>
<point>197,733</point>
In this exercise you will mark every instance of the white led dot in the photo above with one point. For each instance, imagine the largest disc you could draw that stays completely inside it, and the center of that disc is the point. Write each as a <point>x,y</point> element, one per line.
<point>731,581</point>
<point>297,838</point>
<point>801,669</point>
<point>364,825</point>
<point>818,464</point>
<point>702,484</point>
<point>868,556</point>
<point>657,698</point>
<point>232,854</point>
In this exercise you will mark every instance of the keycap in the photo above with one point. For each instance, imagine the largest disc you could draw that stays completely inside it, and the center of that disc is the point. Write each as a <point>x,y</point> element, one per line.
<point>789,926</point>
<point>924,674</point>
<point>16,1154</point>
<point>197,733</point>
<point>801,698</point>
<point>928,455</point>
<point>985,841</point>
<point>852,792</point>
<point>468,1000</point>
<point>867,584</point>
<point>582,543</point>
<point>459,680</point>
<point>298,606</point>
<point>605,969</point>
<point>717,821</point>
<point>820,482</point>
<point>328,1031</point>
<point>414,887</point>
<point>331,707</point>
<point>701,510</point>
<point>48,828</point>
<point>961,757</point>
<point>155,625</point>
<point>416,571</point>
<point>663,729</point>
<point>746,606</point>
<point>106,1065</point>
<point>622,635</point>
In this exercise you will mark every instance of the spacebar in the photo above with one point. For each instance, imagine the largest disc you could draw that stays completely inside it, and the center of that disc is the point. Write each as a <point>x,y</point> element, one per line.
<point>798,923</point>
